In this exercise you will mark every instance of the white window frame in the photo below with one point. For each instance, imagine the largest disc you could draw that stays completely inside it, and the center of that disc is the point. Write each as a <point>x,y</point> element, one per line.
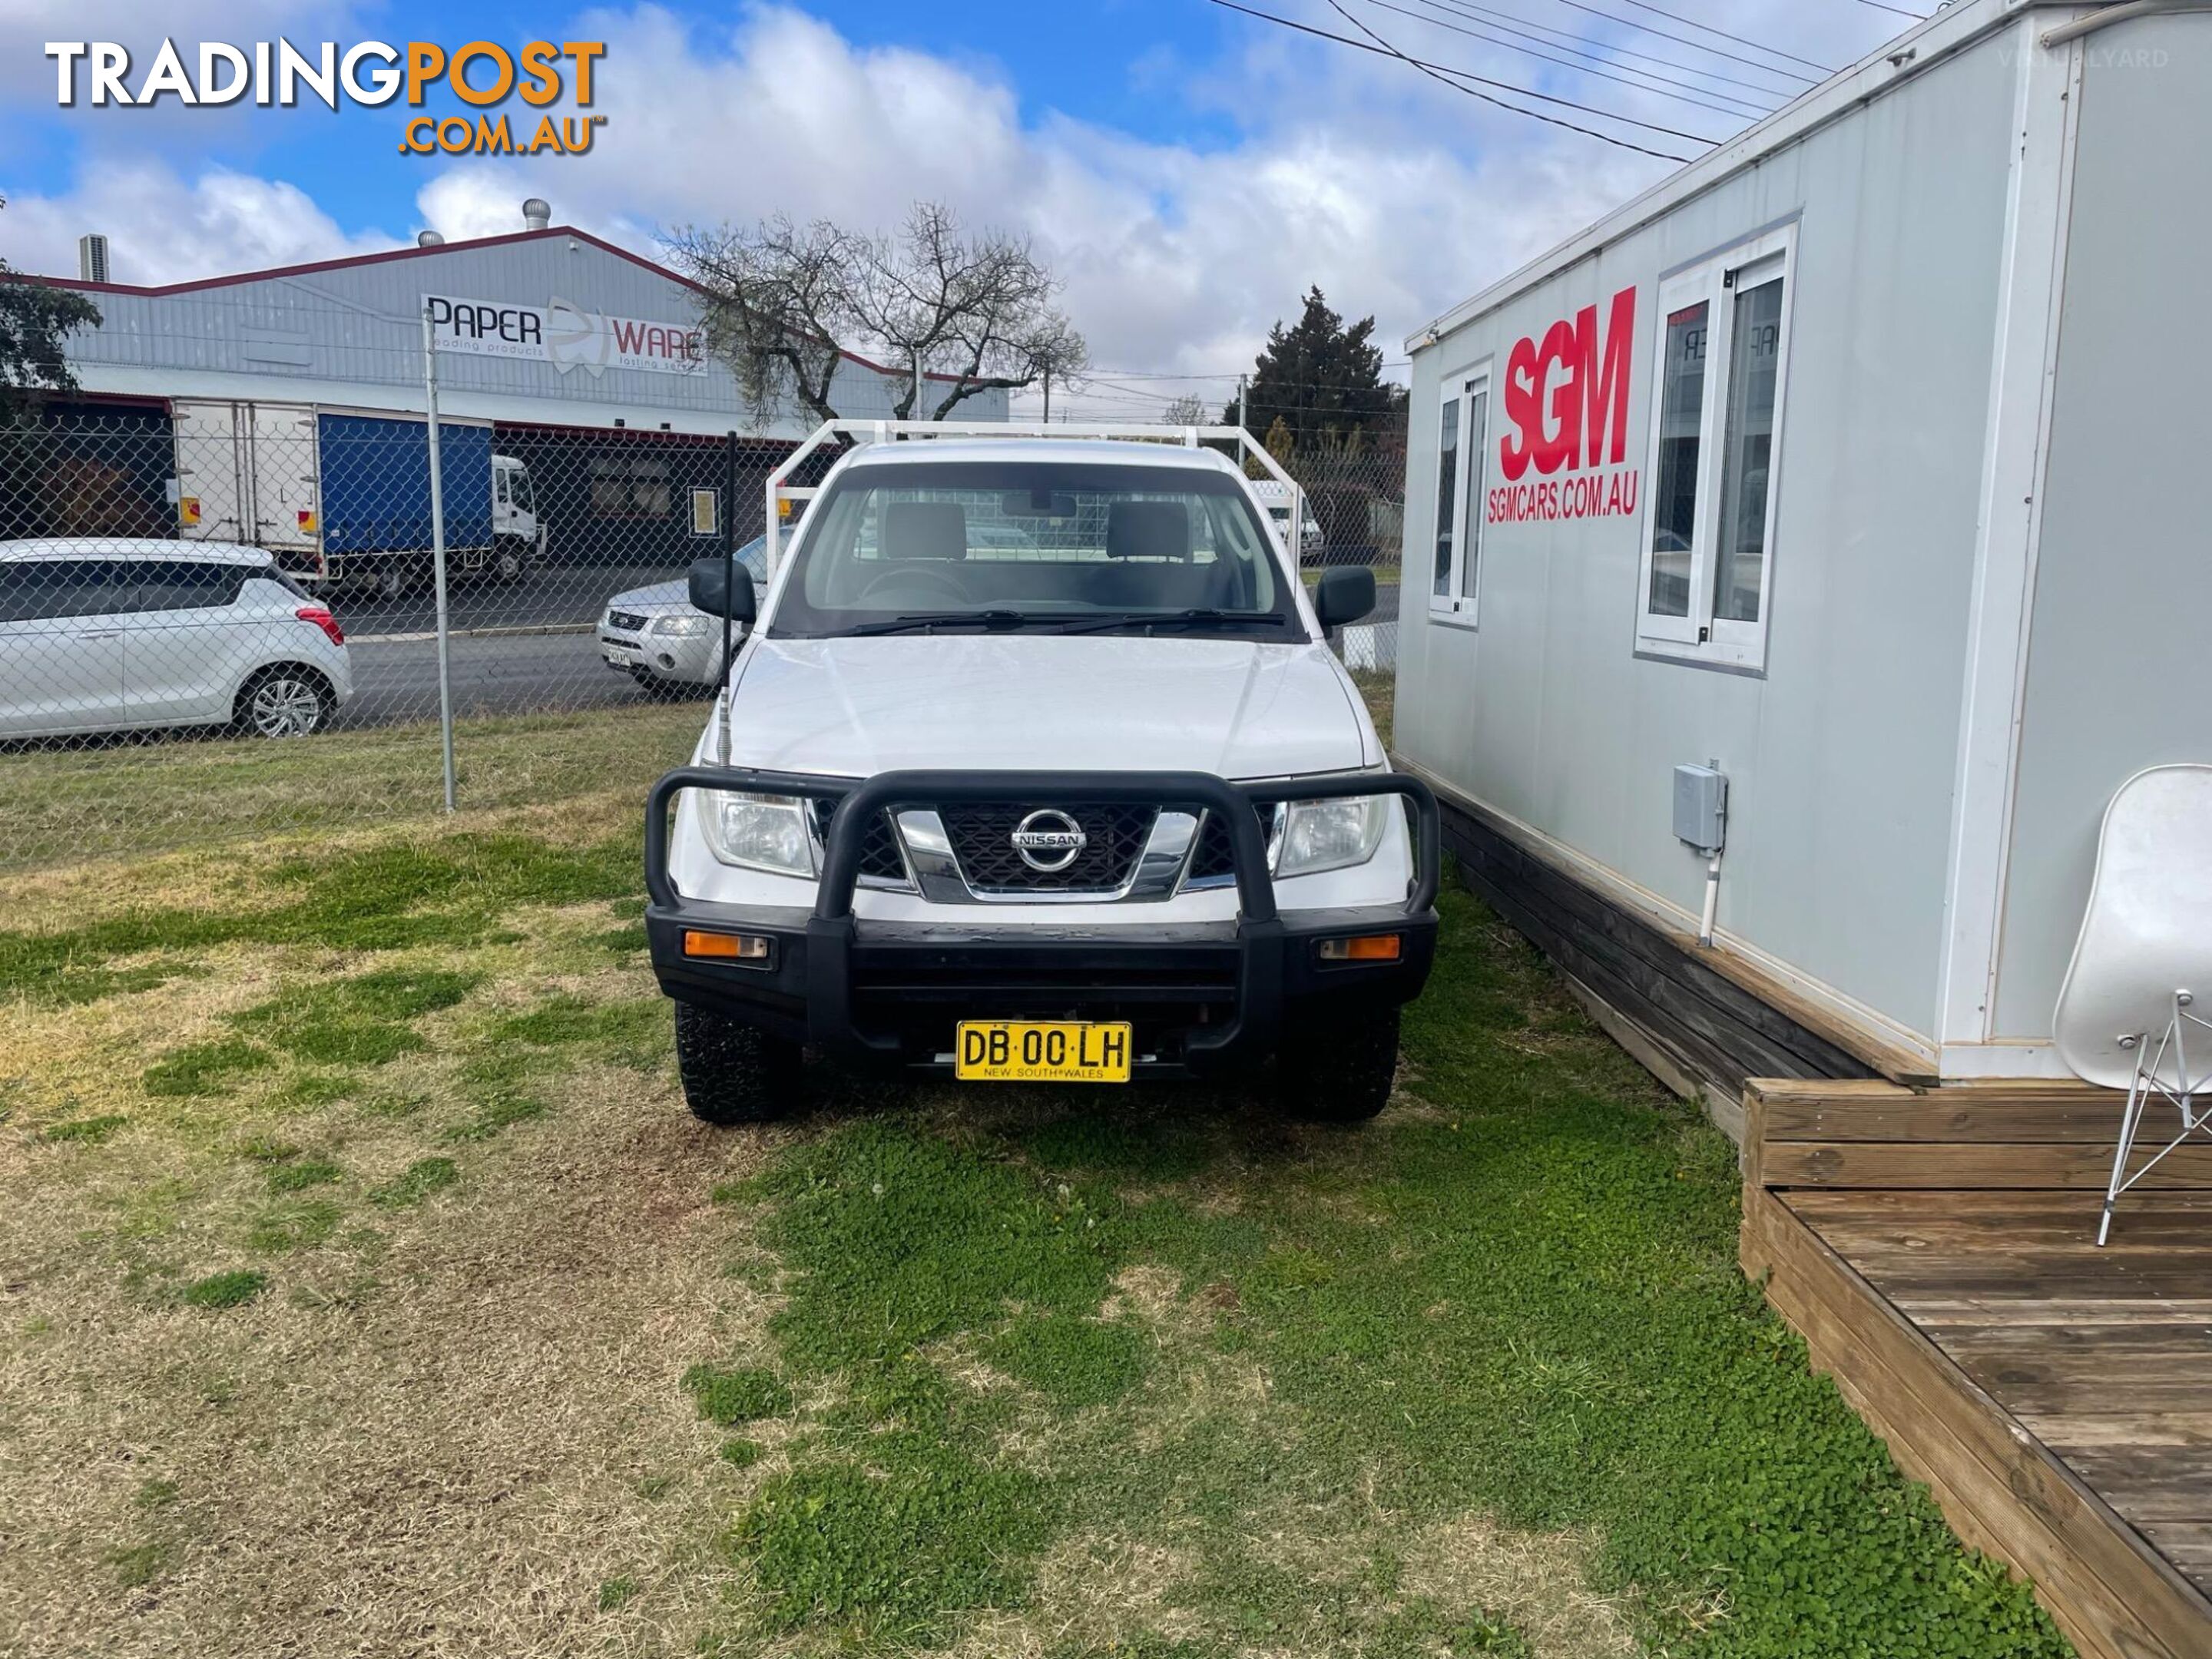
<point>1460,601</point>
<point>1699,636</point>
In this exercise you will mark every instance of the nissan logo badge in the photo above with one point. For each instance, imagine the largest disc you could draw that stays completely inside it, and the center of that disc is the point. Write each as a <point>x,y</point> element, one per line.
<point>1048,840</point>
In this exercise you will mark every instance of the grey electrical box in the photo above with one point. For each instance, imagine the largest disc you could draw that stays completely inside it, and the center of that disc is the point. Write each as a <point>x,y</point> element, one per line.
<point>1701,807</point>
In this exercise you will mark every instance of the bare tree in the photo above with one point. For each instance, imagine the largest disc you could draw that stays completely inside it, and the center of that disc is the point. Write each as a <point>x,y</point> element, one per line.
<point>1189,410</point>
<point>777,299</point>
<point>783,304</point>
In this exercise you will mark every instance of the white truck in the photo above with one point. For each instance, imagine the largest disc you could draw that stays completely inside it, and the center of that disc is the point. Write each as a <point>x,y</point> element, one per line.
<point>343,496</point>
<point>1034,765</point>
<point>1282,500</point>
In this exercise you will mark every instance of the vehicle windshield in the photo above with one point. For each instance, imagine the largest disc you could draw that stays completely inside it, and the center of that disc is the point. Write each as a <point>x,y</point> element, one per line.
<point>1035,546</point>
<point>754,557</point>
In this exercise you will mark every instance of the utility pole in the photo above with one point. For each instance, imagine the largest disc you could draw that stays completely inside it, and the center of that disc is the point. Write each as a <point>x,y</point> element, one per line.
<point>1241,379</point>
<point>1047,397</point>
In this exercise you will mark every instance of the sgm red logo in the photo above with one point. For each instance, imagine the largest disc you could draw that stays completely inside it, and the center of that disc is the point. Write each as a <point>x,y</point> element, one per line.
<point>1566,411</point>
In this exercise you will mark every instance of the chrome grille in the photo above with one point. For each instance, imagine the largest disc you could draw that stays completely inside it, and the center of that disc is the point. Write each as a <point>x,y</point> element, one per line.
<point>981,834</point>
<point>628,622</point>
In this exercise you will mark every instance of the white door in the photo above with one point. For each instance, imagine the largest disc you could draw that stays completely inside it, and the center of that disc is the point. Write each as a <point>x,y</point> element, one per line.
<point>62,624</point>
<point>211,471</point>
<point>247,472</point>
<point>187,643</point>
<point>287,514</point>
<point>514,508</point>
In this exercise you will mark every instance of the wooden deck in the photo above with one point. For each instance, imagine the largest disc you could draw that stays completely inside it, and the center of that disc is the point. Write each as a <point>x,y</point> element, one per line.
<point>1937,1251</point>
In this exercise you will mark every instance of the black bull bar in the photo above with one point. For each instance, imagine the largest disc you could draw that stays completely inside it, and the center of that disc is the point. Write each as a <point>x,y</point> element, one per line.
<point>819,988</point>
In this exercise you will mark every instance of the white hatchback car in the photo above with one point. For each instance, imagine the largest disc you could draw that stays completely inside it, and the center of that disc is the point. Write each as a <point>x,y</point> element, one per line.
<point>654,635</point>
<point>101,635</point>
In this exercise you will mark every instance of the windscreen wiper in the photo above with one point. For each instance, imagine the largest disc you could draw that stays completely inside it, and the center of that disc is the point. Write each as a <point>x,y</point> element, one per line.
<point>1196,616</point>
<point>926,621</point>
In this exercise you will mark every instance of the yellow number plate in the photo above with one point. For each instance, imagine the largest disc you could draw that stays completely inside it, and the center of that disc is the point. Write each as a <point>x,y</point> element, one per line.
<point>1042,1051</point>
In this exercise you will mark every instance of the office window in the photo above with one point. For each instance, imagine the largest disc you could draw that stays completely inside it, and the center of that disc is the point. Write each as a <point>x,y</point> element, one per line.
<point>1709,523</point>
<point>1447,483</point>
<point>1674,477</point>
<point>1463,444</point>
<point>629,487</point>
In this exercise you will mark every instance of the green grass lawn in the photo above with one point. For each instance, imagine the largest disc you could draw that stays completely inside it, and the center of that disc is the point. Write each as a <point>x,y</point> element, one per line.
<point>368,1289</point>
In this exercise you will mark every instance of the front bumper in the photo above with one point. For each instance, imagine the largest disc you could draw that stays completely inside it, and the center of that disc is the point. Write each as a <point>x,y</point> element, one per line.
<point>688,658</point>
<point>1202,997</point>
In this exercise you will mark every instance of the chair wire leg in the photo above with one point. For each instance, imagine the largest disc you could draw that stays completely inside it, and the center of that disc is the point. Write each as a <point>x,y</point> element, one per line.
<point>2137,1097</point>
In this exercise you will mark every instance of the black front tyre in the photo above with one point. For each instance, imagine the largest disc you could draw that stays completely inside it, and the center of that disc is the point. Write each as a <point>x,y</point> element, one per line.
<point>1338,1070</point>
<point>733,1073</point>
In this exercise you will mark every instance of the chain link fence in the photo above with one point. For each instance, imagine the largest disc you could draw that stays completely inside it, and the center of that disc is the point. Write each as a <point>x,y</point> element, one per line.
<point>1355,515</point>
<point>188,588</point>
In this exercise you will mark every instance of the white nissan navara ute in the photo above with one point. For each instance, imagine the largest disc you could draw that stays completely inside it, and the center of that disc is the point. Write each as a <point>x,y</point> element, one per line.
<point>1035,765</point>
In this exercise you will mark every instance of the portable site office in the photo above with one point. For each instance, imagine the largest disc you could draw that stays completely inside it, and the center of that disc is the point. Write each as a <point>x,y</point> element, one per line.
<point>1860,459</point>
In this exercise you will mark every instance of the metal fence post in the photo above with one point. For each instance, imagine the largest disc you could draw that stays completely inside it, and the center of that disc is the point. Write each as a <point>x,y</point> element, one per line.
<point>438,552</point>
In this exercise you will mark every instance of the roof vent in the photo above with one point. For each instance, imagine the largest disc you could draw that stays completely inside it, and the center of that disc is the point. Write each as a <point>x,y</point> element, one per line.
<point>92,258</point>
<point>537,213</point>
<point>428,239</point>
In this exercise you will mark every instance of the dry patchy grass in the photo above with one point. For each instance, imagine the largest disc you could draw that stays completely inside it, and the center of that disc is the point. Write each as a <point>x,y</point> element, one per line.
<point>364,1288</point>
<point>431,1405</point>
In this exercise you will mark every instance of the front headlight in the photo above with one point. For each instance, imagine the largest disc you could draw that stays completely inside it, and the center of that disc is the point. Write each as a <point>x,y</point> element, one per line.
<point>1330,834</point>
<point>687,627</point>
<point>758,832</point>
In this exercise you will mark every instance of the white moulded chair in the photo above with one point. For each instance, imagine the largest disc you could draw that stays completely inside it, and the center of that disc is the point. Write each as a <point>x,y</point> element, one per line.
<point>2129,1015</point>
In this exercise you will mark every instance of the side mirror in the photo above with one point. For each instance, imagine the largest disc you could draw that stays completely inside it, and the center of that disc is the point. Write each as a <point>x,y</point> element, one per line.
<point>1343,595</point>
<point>712,594</point>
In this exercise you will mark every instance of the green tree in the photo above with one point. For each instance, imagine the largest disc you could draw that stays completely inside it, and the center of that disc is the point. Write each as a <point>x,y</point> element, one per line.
<point>35,318</point>
<point>1321,378</point>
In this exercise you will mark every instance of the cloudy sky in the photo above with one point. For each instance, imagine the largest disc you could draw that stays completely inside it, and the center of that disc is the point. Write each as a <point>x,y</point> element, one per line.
<point>1187,169</point>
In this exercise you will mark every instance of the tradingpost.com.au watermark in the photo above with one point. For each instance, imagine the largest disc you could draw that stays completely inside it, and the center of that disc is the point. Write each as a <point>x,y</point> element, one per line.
<point>482,74</point>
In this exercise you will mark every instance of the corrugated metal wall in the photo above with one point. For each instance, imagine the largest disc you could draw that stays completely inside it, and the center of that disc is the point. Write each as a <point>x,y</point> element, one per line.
<point>361,327</point>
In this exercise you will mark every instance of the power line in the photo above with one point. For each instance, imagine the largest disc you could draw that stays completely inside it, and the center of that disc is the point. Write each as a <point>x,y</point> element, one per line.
<point>1917,17</point>
<point>1741,40</point>
<point>1205,374</point>
<point>1728,105</point>
<point>1459,75</point>
<point>1436,72</point>
<point>1157,375</point>
<point>1512,23</point>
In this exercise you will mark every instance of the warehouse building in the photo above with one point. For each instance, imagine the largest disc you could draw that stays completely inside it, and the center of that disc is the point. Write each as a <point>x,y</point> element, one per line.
<point>583,358</point>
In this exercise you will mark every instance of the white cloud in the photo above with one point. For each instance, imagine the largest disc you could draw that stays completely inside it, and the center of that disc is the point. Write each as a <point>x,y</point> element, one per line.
<point>162,229</point>
<point>140,27</point>
<point>1395,198</point>
<point>1396,195</point>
